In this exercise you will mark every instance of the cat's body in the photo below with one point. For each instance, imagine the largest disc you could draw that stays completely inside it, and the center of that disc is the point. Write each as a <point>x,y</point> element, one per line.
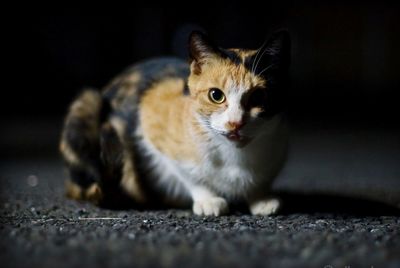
<point>162,133</point>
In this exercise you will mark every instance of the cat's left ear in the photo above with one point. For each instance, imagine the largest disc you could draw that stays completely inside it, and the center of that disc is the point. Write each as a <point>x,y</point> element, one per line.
<point>201,49</point>
<point>274,54</point>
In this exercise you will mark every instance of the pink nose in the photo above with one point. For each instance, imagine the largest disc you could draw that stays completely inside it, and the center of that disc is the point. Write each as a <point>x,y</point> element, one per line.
<point>234,125</point>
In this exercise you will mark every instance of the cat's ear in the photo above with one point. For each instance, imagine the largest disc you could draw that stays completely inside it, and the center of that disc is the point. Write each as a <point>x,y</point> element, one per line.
<point>201,48</point>
<point>274,54</point>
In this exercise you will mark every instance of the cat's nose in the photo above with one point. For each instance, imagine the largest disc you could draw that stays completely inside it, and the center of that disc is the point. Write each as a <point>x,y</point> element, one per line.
<point>234,125</point>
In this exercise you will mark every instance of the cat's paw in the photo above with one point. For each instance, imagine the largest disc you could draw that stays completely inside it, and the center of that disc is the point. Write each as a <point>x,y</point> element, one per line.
<point>211,206</point>
<point>265,207</point>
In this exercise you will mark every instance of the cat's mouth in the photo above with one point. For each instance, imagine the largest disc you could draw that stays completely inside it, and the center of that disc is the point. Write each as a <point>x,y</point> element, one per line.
<point>238,138</point>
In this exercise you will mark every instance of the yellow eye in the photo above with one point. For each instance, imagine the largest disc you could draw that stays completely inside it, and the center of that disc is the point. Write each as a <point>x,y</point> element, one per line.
<point>216,95</point>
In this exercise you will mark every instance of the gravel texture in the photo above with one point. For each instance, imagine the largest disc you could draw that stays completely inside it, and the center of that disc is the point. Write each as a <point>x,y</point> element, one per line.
<point>40,228</point>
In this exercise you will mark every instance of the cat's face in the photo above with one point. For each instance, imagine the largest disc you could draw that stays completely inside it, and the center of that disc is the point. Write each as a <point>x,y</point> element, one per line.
<point>234,91</point>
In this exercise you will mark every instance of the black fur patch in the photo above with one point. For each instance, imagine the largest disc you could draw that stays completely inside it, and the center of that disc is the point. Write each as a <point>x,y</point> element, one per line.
<point>77,136</point>
<point>111,154</point>
<point>82,177</point>
<point>248,63</point>
<point>232,56</point>
<point>186,90</point>
<point>105,110</point>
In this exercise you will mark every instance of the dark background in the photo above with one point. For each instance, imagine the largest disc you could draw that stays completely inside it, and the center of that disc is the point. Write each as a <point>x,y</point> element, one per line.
<point>342,103</point>
<point>345,54</point>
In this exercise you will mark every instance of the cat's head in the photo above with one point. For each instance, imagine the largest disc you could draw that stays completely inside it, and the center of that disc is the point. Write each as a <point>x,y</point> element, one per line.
<point>236,91</point>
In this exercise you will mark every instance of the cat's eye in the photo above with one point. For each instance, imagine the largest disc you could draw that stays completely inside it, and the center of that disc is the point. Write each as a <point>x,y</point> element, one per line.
<point>216,95</point>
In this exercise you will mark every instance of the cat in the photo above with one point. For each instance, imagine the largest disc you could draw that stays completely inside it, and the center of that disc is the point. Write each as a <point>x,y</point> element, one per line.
<point>201,134</point>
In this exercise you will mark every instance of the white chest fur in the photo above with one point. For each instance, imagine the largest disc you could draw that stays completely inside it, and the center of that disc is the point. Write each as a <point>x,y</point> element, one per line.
<point>225,169</point>
<point>236,172</point>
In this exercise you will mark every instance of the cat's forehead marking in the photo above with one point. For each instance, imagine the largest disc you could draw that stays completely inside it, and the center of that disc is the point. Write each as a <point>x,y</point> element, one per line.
<point>242,56</point>
<point>240,79</point>
<point>240,76</point>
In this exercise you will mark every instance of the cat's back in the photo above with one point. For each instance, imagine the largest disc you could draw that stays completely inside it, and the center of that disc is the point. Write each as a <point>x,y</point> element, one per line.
<point>128,87</point>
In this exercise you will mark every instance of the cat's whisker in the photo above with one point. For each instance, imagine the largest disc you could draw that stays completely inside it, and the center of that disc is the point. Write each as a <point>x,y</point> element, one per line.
<point>255,58</point>
<point>259,59</point>
<point>265,69</point>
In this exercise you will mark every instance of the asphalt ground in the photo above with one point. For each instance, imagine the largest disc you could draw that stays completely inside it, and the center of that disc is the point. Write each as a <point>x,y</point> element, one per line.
<point>41,228</point>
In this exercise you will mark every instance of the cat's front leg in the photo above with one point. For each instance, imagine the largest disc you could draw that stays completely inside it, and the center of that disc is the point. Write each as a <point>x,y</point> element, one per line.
<point>264,206</point>
<point>207,203</point>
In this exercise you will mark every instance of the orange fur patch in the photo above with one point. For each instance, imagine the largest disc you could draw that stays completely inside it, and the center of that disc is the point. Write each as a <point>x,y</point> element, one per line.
<point>93,193</point>
<point>255,111</point>
<point>73,190</point>
<point>167,121</point>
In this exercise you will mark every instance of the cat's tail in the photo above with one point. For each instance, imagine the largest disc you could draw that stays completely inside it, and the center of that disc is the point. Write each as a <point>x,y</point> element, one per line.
<point>80,147</point>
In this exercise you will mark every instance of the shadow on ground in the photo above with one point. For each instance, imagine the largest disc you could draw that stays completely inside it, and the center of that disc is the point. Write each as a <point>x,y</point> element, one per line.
<point>318,203</point>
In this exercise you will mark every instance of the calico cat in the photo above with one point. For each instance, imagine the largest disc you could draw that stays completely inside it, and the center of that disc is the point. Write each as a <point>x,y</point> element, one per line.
<point>168,132</point>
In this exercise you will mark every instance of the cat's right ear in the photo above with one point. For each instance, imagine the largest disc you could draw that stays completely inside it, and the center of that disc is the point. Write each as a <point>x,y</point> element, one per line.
<point>201,48</point>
